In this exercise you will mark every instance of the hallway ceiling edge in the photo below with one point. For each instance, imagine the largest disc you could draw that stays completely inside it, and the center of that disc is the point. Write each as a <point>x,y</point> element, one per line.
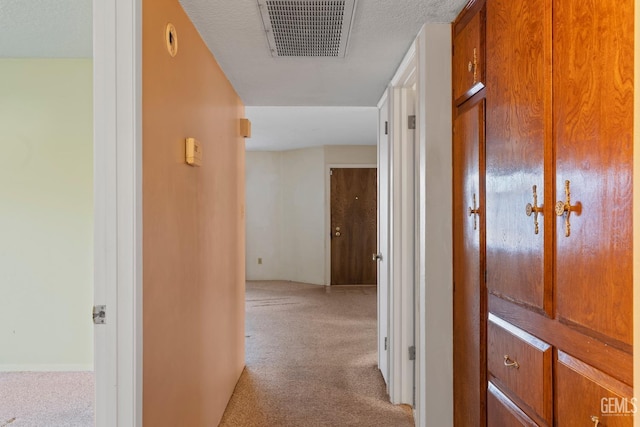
<point>289,128</point>
<point>382,32</point>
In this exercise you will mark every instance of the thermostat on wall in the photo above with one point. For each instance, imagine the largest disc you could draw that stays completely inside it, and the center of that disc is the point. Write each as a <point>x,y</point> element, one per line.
<point>193,152</point>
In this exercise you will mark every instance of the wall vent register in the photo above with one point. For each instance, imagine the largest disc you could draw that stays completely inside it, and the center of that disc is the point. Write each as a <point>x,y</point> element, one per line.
<point>307,28</point>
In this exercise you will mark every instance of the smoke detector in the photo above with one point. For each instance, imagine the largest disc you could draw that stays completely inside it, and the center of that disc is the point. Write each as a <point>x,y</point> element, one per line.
<point>307,28</point>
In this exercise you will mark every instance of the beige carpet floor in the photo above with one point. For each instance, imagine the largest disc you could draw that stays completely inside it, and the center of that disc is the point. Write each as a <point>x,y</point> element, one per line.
<point>311,360</point>
<point>46,399</point>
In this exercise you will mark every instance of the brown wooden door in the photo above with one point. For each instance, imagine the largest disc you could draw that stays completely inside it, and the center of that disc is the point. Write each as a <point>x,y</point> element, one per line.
<point>593,112</point>
<point>469,380</point>
<point>517,144</point>
<point>353,226</point>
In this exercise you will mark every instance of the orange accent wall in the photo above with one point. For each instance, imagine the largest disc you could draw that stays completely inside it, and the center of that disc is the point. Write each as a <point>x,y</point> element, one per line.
<point>193,253</point>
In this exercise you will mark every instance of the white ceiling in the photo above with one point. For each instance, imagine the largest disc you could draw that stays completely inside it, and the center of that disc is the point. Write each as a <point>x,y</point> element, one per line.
<point>292,102</point>
<point>46,29</point>
<point>382,32</point>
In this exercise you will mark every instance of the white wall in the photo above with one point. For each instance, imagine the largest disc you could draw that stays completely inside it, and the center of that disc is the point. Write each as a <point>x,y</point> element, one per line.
<point>287,207</point>
<point>264,210</point>
<point>303,215</point>
<point>46,215</point>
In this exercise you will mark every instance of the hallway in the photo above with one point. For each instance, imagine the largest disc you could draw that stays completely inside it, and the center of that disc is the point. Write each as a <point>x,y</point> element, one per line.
<point>311,360</point>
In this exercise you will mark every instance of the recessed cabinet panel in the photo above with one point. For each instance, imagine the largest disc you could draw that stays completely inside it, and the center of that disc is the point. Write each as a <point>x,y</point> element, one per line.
<point>586,396</point>
<point>518,107</point>
<point>468,58</point>
<point>521,364</point>
<point>593,113</point>
<point>503,412</point>
<point>469,382</point>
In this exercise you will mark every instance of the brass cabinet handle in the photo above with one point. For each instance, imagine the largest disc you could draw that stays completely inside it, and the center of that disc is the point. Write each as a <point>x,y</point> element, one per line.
<point>564,208</point>
<point>534,209</point>
<point>475,211</point>
<point>595,420</point>
<point>510,363</point>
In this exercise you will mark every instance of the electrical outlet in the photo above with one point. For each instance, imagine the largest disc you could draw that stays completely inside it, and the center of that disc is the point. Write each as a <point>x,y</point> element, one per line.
<point>259,260</point>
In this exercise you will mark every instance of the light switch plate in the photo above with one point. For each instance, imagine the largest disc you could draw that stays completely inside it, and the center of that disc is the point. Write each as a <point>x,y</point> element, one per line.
<point>193,152</point>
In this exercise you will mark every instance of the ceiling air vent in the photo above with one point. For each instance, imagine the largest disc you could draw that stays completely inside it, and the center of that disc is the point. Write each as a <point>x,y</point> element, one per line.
<point>308,28</point>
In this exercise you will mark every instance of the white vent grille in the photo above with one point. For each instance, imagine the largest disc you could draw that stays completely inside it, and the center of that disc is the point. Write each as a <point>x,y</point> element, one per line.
<point>308,28</point>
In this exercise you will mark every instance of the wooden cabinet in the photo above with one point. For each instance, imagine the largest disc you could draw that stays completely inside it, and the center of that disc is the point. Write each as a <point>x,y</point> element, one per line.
<point>469,295</point>
<point>555,226</point>
<point>468,56</point>
<point>501,411</point>
<point>521,364</point>
<point>469,307</point>
<point>586,395</point>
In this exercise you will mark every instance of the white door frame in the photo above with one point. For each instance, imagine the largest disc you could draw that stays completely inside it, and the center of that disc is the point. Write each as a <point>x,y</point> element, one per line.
<point>327,210</point>
<point>117,101</point>
<point>402,233</point>
<point>384,260</point>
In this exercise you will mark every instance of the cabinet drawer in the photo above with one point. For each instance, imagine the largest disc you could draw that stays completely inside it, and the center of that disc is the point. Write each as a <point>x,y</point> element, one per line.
<point>589,397</point>
<point>503,412</point>
<point>468,59</point>
<point>521,365</point>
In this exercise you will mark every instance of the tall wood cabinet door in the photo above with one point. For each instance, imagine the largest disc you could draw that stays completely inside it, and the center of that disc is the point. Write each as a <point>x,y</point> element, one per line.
<point>469,382</point>
<point>518,134</point>
<point>593,116</point>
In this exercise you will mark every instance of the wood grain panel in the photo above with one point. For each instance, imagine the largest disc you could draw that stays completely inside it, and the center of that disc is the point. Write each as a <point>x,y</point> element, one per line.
<point>353,226</point>
<point>531,380</point>
<point>468,59</point>
<point>593,113</point>
<point>583,392</point>
<point>193,234</point>
<point>503,412</point>
<point>518,138</point>
<point>613,361</point>
<point>468,296</point>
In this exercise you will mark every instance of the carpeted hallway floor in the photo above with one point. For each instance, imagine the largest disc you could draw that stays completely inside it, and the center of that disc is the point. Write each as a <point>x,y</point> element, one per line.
<point>311,360</point>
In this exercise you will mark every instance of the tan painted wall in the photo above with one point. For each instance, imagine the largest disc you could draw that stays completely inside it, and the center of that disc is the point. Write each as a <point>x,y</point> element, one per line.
<point>193,221</point>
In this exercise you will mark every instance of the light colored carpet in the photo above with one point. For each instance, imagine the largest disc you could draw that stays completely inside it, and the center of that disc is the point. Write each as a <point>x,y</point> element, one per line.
<point>311,360</point>
<point>46,399</point>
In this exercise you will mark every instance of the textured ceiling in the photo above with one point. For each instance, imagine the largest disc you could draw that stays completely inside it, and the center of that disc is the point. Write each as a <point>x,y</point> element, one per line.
<point>46,29</point>
<point>286,128</point>
<point>340,93</point>
<point>382,32</point>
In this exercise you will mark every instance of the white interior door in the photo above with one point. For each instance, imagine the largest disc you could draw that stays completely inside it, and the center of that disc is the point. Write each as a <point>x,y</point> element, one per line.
<point>383,240</point>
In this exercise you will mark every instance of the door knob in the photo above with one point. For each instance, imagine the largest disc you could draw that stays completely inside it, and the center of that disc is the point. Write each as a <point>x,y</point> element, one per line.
<point>475,210</point>
<point>534,209</point>
<point>338,234</point>
<point>564,208</point>
<point>377,257</point>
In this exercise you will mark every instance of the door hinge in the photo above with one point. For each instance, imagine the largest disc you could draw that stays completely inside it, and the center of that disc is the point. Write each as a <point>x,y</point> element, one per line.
<point>386,128</point>
<point>330,171</point>
<point>386,343</point>
<point>412,122</point>
<point>412,352</point>
<point>99,314</point>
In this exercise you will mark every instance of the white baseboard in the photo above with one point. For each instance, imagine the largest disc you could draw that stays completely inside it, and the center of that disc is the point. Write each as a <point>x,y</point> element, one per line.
<point>47,368</point>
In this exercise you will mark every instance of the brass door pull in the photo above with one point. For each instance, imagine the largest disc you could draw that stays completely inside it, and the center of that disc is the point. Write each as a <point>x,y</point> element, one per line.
<point>534,209</point>
<point>510,363</point>
<point>564,208</point>
<point>475,211</point>
<point>595,420</point>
